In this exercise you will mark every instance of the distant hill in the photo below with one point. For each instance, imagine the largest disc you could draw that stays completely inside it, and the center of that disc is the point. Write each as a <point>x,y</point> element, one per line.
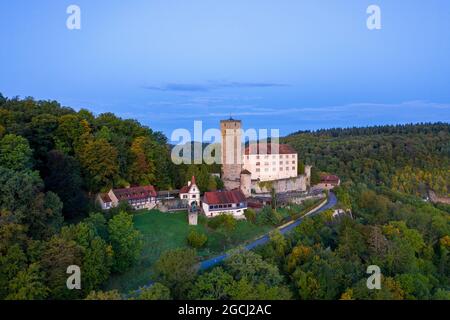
<point>409,158</point>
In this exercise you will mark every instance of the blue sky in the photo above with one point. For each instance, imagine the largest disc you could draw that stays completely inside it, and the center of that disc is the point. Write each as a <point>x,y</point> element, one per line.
<point>292,65</point>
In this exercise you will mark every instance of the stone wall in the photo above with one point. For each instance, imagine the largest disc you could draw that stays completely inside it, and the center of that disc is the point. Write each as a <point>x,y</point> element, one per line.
<point>246,184</point>
<point>284,185</point>
<point>231,184</point>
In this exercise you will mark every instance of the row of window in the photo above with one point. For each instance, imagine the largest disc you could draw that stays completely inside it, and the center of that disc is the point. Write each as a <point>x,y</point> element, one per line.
<point>225,206</point>
<point>273,163</point>
<point>139,201</point>
<point>293,156</point>
<point>274,169</point>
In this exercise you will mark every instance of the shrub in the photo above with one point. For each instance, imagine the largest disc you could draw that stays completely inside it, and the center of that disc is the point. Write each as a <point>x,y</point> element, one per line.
<point>268,216</point>
<point>196,239</point>
<point>104,295</point>
<point>157,291</point>
<point>226,221</point>
<point>250,215</point>
<point>229,222</point>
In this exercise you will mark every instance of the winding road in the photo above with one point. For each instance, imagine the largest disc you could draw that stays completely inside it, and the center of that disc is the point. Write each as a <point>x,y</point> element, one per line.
<point>264,239</point>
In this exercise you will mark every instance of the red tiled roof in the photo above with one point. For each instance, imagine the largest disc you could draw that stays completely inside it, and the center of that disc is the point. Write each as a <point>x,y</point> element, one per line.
<point>224,197</point>
<point>282,149</point>
<point>186,189</point>
<point>105,197</point>
<point>255,205</point>
<point>330,179</point>
<point>134,193</point>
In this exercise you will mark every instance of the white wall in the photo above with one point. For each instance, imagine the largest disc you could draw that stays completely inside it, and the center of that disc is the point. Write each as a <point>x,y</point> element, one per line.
<point>237,213</point>
<point>271,166</point>
<point>193,195</point>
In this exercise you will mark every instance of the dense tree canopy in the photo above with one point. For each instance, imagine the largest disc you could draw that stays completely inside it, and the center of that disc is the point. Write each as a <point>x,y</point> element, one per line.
<point>406,158</point>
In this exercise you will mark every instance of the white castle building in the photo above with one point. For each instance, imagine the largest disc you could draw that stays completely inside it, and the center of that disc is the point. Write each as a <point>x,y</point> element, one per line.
<point>260,167</point>
<point>279,162</point>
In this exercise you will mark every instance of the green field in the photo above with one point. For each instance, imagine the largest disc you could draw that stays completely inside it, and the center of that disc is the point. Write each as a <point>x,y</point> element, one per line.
<point>165,231</point>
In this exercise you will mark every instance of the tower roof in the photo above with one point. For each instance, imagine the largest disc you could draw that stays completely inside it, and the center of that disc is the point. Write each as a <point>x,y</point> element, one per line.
<point>230,120</point>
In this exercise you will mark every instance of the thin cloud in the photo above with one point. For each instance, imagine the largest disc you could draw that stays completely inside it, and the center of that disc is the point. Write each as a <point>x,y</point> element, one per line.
<point>354,107</point>
<point>212,85</point>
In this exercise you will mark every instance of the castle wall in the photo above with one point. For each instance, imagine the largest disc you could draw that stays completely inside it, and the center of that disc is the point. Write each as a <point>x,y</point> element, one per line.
<point>231,184</point>
<point>246,185</point>
<point>283,185</point>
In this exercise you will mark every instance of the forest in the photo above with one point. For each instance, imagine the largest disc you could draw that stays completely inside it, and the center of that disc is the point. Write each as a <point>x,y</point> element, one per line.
<point>53,159</point>
<point>412,158</point>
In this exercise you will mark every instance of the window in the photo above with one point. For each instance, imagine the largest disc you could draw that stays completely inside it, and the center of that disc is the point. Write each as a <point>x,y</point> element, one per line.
<point>281,168</point>
<point>266,163</point>
<point>266,169</point>
<point>293,162</point>
<point>258,163</point>
<point>293,168</point>
<point>281,162</point>
<point>293,156</point>
<point>287,168</point>
<point>194,196</point>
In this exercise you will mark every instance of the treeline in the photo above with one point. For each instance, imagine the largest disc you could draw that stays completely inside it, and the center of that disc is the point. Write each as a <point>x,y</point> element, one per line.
<point>408,158</point>
<point>422,128</point>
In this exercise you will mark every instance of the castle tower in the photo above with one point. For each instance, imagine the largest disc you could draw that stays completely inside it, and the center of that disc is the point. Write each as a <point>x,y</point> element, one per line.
<point>246,183</point>
<point>231,152</point>
<point>308,175</point>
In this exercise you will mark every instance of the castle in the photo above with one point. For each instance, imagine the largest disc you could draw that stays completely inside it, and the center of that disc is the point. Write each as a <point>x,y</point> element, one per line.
<point>259,168</point>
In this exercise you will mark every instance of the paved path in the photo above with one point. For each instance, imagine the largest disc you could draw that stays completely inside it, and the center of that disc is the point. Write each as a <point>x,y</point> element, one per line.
<point>263,240</point>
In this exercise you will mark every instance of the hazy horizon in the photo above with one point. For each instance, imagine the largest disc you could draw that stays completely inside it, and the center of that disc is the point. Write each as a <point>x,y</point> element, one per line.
<point>291,65</point>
